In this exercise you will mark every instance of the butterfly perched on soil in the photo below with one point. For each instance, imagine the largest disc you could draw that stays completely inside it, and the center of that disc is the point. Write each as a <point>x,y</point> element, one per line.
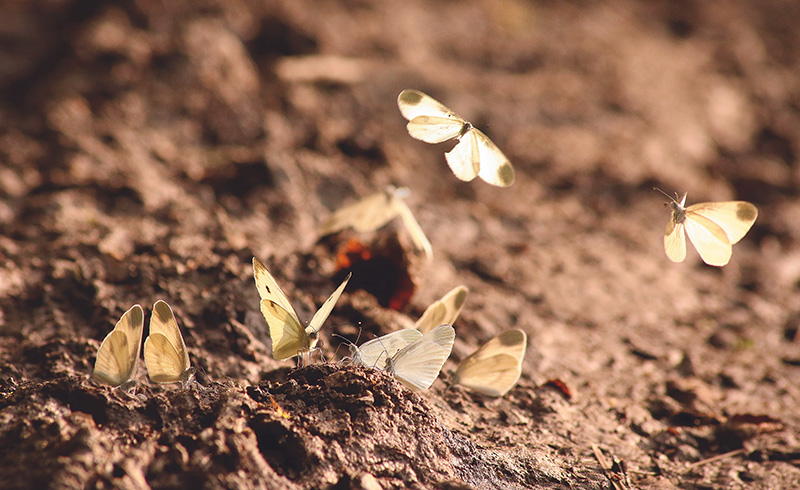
<point>712,227</point>
<point>165,354</point>
<point>495,367</point>
<point>118,355</point>
<point>289,337</point>
<point>475,155</point>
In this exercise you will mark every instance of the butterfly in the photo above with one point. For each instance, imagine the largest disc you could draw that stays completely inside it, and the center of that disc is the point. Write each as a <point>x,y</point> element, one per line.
<point>444,310</point>
<point>418,364</point>
<point>375,352</point>
<point>165,354</point>
<point>118,355</point>
<point>496,366</point>
<point>713,227</point>
<point>289,337</point>
<point>376,210</point>
<point>474,154</point>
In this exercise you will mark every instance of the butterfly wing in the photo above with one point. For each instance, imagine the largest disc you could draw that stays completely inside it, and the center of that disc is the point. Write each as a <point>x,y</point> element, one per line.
<point>413,227</point>
<point>164,362</point>
<point>464,159</point>
<point>495,168</point>
<point>734,217</point>
<point>496,366</point>
<point>444,310</point>
<point>710,240</point>
<point>413,103</point>
<point>289,338</point>
<point>268,288</point>
<point>675,240</point>
<point>165,353</point>
<point>368,214</point>
<point>325,310</point>
<point>418,364</point>
<point>118,355</point>
<point>375,352</point>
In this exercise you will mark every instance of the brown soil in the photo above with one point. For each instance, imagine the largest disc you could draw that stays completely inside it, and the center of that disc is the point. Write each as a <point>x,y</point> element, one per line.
<point>148,150</point>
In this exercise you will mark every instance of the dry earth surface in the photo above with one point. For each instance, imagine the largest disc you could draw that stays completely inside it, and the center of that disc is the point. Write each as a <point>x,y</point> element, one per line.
<point>149,149</point>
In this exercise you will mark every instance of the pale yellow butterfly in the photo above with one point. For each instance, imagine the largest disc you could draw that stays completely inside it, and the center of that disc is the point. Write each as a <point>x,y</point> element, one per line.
<point>417,364</point>
<point>375,352</point>
<point>118,355</point>
<point>376,210</point>
<point>713,227</point>
<point>165,354</point>
<point>289,337</point>
<point>496,366</point>
<point>444,310</point>
<point>474,154</point>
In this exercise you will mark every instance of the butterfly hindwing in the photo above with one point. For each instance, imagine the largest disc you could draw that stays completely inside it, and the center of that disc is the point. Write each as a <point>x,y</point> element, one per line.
<point>496,366</point>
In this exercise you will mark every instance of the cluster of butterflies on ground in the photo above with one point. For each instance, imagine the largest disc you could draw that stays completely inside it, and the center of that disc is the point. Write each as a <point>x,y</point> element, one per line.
<point>414,356</point>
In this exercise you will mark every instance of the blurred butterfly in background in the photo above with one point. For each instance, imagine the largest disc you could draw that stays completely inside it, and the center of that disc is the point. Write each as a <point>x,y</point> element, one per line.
<point>712,227</point>
<point>375,352</point>
<point>376,210</point>
<point>165,354</point>
<point>418,364</point>
<point>474,154</point>
<point>289,337</point>
<point>495,367</point>
<point>444,310</point>
<point>118,355</point>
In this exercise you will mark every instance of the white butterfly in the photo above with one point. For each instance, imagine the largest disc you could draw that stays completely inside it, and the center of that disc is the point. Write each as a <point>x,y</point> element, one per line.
<point>496,366</point>
<point>418,364</point>
<point>444,310</point>
<point>376,210</point>
<point>289,338</point>
<point>375,352</point>
<point>165,353</point>
<point>474,154</point>
<point>713,227</point>
<point>118,355</point>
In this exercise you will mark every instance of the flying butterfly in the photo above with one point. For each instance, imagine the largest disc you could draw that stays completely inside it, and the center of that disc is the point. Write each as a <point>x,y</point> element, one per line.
<point>375,352</point>
<point>495,367</point>
<point>712,227</point>
<point>118,355</point>
<point>165,354</point>
<point>474,154</point>
<point>289,337</point>
<point>444,310</point>
<point>376,210</point>
<point>417,364</point>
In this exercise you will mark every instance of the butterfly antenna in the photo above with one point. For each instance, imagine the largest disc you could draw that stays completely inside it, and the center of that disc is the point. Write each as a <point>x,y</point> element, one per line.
<point>673,199</point>
<point>347,341</point>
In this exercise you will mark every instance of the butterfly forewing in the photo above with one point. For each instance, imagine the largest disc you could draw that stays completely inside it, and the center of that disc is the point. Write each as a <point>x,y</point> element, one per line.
<point>325,310</point>
<point>413,103</point>
<point>495,168</point>
<point>268,288</point>
<point>734,217</point>
<point>118,355</point>
<point>418,364</point>
<point>418,237</point>
<point>444,310</point>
